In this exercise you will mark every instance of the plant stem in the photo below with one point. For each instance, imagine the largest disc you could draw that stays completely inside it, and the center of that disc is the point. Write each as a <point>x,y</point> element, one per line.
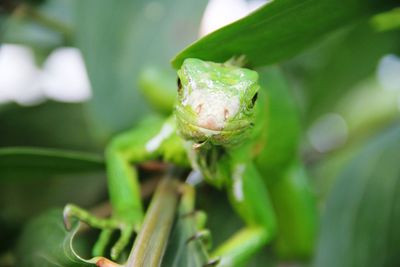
<point>150,244</point>
<point>43,19</point>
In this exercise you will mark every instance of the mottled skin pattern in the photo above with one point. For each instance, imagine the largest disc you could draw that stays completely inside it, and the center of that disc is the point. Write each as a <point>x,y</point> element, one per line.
<point>222,127</point>
<point>215,102</point>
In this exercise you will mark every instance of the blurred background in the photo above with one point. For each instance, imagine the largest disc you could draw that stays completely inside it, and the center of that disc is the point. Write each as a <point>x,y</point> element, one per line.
<point>70,79</point>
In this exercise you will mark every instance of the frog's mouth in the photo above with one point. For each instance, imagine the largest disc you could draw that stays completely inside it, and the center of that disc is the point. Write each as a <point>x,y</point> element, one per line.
<point>201,135</point>
<point>232,131</point>
<point>210,132</point>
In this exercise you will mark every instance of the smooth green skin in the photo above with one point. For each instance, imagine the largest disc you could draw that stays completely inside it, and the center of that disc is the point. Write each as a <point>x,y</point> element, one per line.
<point>254,157</point>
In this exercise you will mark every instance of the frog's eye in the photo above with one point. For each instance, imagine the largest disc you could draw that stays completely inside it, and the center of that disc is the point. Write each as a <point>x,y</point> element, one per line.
<point>179,85</point>
<point>254,99</point>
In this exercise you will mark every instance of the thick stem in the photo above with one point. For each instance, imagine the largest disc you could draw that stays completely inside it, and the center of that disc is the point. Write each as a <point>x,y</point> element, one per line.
<point>150,244</point>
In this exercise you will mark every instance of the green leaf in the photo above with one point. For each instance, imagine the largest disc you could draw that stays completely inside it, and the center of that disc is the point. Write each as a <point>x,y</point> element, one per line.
<point>360,223</point>
<point>337,64</point>
<point>278,30</point>
<point>118,39</point>
<point>30,161</point>
<point>180,252</point>
<point>50,124</point>
<point>46,243</point>
<point>388,20</point>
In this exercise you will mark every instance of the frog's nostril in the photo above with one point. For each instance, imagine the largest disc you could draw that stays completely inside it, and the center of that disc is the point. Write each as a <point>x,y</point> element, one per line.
<point>226,113</point>
<point>199,108</point>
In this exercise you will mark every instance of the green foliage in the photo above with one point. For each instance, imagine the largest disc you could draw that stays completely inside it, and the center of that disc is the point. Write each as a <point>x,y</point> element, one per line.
<point>180,252</point>
<point>28,162</point>
<point>50,125</point>
<point>277,31</point>
<point>359,225</point>
<point>46,243</point>
<point>340,62</point>
<point>118,39</point>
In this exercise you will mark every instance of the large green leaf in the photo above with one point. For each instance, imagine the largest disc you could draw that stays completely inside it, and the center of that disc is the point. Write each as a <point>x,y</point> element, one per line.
<point>360,223</point>
<point>118,39</point>
<point>25,161</point>
<point>278,30</point>
<point>50,124</point>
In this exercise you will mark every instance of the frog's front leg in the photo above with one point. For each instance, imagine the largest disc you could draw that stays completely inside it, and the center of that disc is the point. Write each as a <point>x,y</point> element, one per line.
<point>143,143</point>
<point>250,199</point>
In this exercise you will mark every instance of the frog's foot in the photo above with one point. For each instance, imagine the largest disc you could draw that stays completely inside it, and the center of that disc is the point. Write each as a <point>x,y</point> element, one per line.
<point>107,226</point>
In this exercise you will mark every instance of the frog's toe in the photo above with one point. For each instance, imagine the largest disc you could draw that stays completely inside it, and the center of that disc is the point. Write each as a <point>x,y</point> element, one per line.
<point>107,225</point>
<point>102,242</point>
<point>203,235</point>
<point>126,233</point>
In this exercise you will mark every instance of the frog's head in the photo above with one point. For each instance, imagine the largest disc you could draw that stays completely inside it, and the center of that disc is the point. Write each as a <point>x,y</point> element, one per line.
<point>215,102</point>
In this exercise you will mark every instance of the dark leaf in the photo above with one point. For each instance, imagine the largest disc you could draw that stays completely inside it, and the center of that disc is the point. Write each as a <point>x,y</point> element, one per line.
<point>31,161</point>
<point>278,30</point>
